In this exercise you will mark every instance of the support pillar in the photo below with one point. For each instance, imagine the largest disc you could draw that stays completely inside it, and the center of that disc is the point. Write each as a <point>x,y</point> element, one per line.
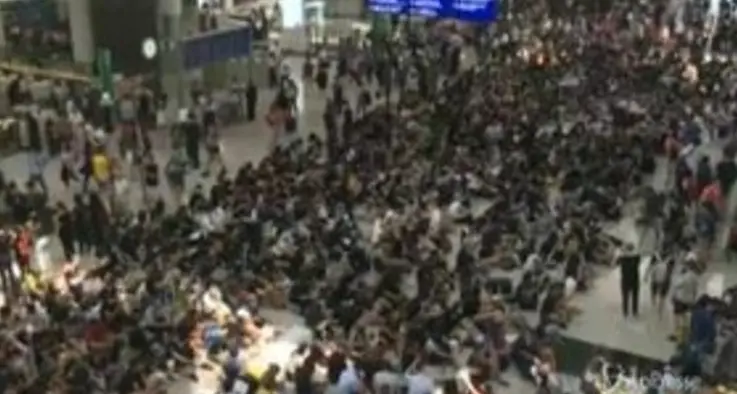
<point>3,49</point>
<point>340,9</point>
<point>80,26</point>
<point>171,33</point>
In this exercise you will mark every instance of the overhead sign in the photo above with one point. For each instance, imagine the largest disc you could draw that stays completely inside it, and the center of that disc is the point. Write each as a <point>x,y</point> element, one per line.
<point>477,11</point>
<point>216,47</point>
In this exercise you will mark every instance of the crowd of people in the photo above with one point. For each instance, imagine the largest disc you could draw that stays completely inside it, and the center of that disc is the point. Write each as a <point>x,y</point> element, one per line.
<point>389,234</point>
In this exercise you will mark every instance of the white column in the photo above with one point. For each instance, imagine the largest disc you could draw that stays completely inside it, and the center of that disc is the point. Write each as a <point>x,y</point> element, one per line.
<point>343,8</point>
<point>171,55</point>
<point>2,35</point>
<point>170,7</point>
<point>80,26</point>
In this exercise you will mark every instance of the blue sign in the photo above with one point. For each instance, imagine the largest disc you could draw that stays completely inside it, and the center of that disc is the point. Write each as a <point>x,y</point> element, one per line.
<point>216,47</point>
<point>477,11</point>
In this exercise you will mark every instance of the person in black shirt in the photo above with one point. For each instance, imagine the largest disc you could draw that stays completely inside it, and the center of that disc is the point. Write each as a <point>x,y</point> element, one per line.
<point>66,230</point>
<point>726,174</point>
<point>82,217</point>
<point>34,133</point>
<point>251,100</point>
<point>629,266</point>
<point>192,140</point>
<point>150,177</point>
<point>6,263</point>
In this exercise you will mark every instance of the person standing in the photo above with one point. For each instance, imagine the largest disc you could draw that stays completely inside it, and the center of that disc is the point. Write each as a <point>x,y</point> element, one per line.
<point>101,168</point>
<point>68,172</point>
<point>100,224</point>
<point>214,156</point>
<point>65,229</point>
<point>150,178</point>
<point>36,168</point>
<point>629,268</point>
<point>703,326</point>
<point>82,217</point>
<point>107,110</point>
<point>127,110</point>
<point>251,100</point>
<point>7,276</point>
<point>176,174</point>
<point>684,296</point>
<point>331,131</point>
<point>659,274</point>
<point>192,140</point>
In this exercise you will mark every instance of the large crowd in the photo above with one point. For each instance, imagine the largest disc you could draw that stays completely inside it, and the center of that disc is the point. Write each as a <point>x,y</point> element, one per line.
<point>387,235</point>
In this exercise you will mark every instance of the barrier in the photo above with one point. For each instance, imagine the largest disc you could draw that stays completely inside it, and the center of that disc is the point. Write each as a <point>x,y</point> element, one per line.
<point>44,73</point>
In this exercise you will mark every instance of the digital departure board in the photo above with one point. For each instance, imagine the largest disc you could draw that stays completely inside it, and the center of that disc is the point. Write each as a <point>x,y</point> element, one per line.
<point>477,11</point>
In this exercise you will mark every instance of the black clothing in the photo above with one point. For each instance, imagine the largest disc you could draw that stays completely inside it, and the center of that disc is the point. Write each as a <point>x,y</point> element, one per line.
<point>107,118</point>
<point>573,265</point>
<point>629,266</point>
<point>66,234</point>
<point>322,79</point>
<point>34,134</point>
<point>251,101</point>
<point>15,96</point>
<point>631,299</point>
<point>548,307</point>
<point>192,144</point>
<point>83,227</point>
<point>209,119</point>
<point>151,175</point>
<point>6,261</point>
<point>727,174</point>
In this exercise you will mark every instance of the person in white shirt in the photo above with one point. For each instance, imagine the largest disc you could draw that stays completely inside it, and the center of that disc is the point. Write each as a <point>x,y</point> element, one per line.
<point>377,231</point>
<point>460,210</point>
<point>659,275</point>
<point>684,295</point>
<point>420,384</point>
<point>436,219</point>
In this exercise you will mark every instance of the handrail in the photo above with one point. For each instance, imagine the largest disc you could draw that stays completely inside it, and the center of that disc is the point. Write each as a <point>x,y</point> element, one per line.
<point>44,72</point>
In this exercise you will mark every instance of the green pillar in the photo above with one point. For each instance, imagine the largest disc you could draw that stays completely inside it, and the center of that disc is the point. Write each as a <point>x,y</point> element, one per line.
<point>104,69</point>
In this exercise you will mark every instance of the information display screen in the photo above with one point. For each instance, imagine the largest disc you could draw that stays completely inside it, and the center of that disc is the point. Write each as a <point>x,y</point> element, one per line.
<point>478,11</point>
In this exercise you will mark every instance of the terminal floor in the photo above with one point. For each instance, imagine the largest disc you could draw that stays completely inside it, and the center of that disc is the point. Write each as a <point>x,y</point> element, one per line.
<point>601,322</point>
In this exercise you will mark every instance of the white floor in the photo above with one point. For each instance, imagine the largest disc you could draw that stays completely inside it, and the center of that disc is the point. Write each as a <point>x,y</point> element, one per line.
<point>602,322</point>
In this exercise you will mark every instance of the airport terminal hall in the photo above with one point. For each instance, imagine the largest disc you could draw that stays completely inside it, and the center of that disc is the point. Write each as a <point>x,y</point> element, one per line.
<point>368,197</point>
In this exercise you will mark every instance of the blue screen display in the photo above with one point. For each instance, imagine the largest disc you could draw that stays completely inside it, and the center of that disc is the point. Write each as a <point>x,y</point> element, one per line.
<point>478,11</point>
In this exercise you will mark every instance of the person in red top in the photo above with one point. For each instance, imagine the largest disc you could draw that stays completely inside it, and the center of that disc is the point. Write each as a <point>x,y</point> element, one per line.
<point>96,333</point>
<point>712,193</point>
<point>23,248</point>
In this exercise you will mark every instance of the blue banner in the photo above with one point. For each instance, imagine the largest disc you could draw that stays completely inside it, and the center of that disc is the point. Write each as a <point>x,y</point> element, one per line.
<point>476,11</point>
<point>216,47</point>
